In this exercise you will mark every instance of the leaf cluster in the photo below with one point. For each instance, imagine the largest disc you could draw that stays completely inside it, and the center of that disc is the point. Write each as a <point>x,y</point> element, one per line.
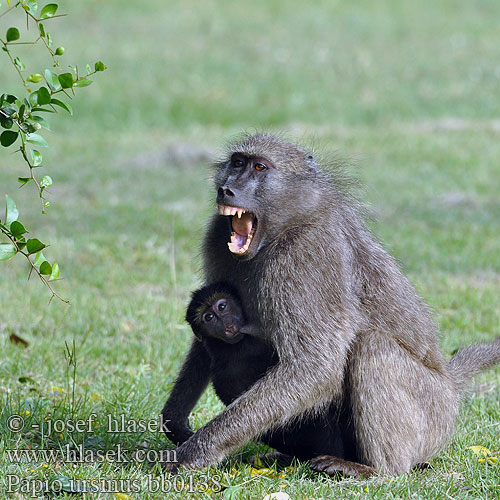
<point>23,120</point>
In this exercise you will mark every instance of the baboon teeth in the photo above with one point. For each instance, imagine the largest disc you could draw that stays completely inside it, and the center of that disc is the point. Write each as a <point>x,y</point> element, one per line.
<point>233,245</point>
<point>225,210</point>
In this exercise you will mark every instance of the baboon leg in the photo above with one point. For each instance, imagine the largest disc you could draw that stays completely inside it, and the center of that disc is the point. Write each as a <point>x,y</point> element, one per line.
<point>333,465</point>
<point>403,411</point>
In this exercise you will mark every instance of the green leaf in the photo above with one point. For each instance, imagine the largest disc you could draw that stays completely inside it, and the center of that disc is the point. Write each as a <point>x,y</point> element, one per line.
<point>42,121</point>
<point>31,127</point>
<point>31,6</point>
<point>7,251</point>
<point>39,259</point>
<point>100,66</point>
<point>48,11</point>
<point>54,275</point>
<point>37,139</point>
<point>45,110</point>
<point>66,80</point>
<point>10,98</point>
<point>43,96</point>
<point>46,181</point>
<point>42,30</point>
<point>34,245</point>
<point>9,110</point>
<point>19,64</point>
<point>6,122</point>
<point>34,78</point>
<point>84,82</point>
<point>36,158</point>
<point>8,137</point>
<point>27,104</point>
<point>52,79</point>
<point>49,39</point>
<point>17,229</point>
<point>11,211</point>
<point>12,34</point>
<point>63,105</point>
<point>33,98</point>
<point>45,268</point>
<point>23,180</point>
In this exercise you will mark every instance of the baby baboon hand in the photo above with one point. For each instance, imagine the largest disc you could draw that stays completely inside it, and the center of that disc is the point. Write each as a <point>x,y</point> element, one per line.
<point>176,429</point>
<point>179,435</point>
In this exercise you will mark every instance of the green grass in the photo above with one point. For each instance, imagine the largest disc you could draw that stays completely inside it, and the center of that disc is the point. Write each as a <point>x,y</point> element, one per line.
<point>406,92</point>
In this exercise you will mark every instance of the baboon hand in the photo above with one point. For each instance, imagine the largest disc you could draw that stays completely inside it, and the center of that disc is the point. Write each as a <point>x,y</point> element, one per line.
<point>170,467</point>
<point>191,455</point>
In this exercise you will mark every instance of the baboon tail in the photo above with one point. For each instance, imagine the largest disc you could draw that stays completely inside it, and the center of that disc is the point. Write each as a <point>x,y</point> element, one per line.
<point>473,359</point>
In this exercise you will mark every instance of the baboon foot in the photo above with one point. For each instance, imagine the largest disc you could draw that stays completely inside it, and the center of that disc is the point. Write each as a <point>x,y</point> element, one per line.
<point>332,465</point>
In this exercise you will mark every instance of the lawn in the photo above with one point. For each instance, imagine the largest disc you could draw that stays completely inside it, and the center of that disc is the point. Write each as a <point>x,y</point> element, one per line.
<point>407,93</point>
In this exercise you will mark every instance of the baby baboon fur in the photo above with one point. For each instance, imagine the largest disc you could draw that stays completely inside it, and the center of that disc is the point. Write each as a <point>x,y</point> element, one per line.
<point>239,356</point>
<point>349,329</point>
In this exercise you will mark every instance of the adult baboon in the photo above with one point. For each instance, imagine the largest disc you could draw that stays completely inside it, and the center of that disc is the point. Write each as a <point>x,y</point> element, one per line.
<point>349,329</point>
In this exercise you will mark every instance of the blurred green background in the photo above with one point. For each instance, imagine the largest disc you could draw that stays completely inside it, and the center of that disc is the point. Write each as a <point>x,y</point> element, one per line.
<point>406,92</point>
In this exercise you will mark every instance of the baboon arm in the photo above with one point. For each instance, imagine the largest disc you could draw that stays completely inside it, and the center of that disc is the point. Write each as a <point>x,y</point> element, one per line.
<point>287,390</point>
<point>189,386</point>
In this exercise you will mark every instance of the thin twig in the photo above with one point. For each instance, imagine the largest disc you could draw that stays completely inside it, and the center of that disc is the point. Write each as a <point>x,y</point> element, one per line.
<point>44,280</point>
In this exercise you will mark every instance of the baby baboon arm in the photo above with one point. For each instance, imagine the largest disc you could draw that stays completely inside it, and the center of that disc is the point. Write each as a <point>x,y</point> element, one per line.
<point>189,386</point>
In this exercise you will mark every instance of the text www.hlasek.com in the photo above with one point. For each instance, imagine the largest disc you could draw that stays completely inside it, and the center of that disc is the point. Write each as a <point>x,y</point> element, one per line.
<point>80,454</point>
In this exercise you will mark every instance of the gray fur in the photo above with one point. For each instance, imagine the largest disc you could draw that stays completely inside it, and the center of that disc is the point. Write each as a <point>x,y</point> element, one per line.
<point>348,327</point>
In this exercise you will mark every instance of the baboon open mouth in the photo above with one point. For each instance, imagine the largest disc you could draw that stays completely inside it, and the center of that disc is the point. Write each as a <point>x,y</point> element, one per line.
<point>244,225</point>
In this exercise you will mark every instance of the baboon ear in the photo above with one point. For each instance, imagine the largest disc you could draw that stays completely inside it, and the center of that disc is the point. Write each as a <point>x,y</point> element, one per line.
<point>311,164</point>
<point>197,334</point>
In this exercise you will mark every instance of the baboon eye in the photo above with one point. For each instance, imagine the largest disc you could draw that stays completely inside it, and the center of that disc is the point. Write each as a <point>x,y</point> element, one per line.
<point>260,167</point>
<point>208,317</point>
<point>222,306</point>
<point>238,162</point>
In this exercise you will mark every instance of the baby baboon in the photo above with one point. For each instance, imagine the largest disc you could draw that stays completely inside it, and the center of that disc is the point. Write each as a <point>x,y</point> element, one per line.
<point>349,330</point>
<point>216,312</point>
<point>238,358</point>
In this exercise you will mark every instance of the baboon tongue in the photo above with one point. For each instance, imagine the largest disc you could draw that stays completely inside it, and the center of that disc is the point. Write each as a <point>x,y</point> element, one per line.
<point>243,225</point>
<point>242,233</point>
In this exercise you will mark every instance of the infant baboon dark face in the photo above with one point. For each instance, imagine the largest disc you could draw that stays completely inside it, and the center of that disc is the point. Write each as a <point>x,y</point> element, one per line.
<point>222,319</point>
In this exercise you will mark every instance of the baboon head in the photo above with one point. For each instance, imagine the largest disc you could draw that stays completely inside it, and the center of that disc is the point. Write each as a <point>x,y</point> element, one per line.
<point>215,311</point>
<point>265,186</point>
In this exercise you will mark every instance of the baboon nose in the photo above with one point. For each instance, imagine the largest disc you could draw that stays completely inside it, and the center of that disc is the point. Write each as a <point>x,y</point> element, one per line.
<point>222,192</point>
